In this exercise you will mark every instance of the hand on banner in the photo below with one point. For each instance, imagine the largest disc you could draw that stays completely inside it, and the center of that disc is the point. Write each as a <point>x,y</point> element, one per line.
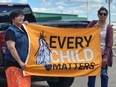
<point>26,22</point>
<point>104,62</point>
<point>23,66</point>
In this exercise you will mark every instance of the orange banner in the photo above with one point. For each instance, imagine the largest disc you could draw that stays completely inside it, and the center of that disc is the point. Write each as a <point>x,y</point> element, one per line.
<point>63,52</point>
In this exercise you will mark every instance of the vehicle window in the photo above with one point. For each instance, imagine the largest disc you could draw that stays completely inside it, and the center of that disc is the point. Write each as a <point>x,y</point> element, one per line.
<point>6,10</point>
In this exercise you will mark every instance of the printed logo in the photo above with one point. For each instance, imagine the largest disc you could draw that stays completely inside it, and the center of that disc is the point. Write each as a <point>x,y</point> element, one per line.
<point>43,53</point>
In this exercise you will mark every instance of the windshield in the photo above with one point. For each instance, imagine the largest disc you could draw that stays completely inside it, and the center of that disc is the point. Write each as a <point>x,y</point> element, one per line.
<point>5,11</point>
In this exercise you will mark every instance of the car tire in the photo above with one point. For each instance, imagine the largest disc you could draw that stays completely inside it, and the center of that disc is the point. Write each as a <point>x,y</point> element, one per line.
<point>61,82</point>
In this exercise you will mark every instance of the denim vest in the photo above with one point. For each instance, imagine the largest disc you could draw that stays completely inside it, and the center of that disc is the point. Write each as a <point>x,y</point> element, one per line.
<point>21,44</point>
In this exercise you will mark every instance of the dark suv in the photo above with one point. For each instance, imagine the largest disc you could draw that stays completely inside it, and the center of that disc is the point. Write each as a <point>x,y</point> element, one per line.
<point>5,9</point>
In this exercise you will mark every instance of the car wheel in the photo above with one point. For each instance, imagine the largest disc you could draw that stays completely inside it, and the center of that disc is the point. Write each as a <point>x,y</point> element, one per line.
<point>61,82</point>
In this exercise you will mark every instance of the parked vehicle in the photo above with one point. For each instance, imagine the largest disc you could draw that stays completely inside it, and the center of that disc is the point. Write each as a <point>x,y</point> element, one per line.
<point>5,9</point>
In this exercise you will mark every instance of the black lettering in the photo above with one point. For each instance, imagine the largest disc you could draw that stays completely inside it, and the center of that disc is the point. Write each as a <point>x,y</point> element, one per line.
<point>52,41</point>
<point>75,66</point>
<point>92,64</point>
<point>64,66</point>
<point>81,66</point>
<point>87,40</point>
<point>69,42</point>
<point>78,41</point>
<point>61,44</point>
<point>86,65</point>
<point>56,66</point>
<point>69,66</point>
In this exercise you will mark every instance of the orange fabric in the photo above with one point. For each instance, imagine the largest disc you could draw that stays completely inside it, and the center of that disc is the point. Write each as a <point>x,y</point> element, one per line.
<point>15,78</point>
<point>63,52</point>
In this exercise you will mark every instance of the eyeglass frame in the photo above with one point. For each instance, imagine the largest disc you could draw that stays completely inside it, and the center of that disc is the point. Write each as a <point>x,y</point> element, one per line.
<point>103,14</point>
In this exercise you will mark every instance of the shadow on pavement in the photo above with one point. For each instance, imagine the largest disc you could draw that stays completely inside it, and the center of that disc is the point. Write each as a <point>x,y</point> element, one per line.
<point>35,85</point>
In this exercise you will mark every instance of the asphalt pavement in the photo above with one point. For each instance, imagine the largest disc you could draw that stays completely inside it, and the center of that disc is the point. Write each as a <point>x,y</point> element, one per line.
<point>82,81</point>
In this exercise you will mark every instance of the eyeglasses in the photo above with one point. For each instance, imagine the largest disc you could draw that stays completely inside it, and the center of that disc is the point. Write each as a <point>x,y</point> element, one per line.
<point>104,14</point>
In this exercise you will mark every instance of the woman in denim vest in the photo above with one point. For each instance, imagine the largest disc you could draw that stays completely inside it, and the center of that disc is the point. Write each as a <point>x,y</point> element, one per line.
<point>17,46</point>
<point>16,41</point>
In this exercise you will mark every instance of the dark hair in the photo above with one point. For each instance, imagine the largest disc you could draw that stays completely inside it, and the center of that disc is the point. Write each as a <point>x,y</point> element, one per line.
<point>15,13</point>
<point>102,8</point>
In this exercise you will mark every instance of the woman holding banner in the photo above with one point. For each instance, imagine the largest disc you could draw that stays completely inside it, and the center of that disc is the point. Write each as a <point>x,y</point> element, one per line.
<point>106,46</point>
<point>17,46</point>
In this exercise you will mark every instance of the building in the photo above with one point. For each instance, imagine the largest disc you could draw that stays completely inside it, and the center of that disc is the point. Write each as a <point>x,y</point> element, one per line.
<point>44,17</point>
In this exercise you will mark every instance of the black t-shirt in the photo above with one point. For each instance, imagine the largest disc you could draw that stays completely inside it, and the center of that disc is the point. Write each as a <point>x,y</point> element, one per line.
<point>10,35</point>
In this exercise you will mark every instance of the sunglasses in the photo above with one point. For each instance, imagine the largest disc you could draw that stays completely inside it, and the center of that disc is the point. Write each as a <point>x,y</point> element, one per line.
<point>104,14</point>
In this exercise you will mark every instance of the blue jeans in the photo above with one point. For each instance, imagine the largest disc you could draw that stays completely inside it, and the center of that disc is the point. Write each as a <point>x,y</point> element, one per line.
<point>104,78</point>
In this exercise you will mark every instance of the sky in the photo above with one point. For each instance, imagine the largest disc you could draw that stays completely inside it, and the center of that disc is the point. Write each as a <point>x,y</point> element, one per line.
<point>82,8</point>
